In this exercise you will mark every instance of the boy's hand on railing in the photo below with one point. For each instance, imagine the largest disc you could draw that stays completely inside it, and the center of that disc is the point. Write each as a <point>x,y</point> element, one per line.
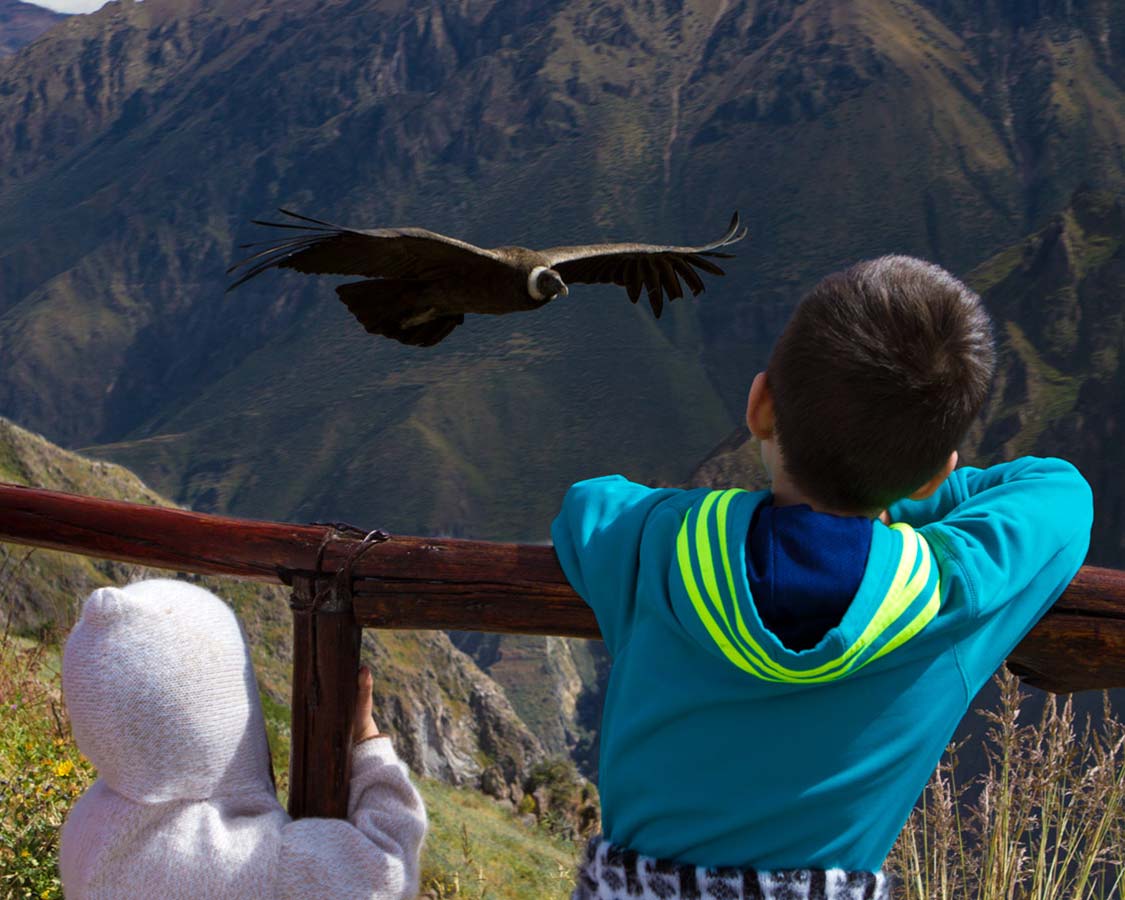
<point>365,727</point>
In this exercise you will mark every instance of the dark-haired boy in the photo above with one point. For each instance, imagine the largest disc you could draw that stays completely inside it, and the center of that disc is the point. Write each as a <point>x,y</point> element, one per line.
<point>788,665</point>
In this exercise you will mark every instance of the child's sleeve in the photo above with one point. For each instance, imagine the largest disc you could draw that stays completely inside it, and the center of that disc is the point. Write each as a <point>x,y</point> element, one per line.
<point>1014,536</point>
<point>374,854</point>
<point>597,536</point>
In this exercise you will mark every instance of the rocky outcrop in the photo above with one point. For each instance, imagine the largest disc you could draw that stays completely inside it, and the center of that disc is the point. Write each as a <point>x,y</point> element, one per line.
<point>450,721</point>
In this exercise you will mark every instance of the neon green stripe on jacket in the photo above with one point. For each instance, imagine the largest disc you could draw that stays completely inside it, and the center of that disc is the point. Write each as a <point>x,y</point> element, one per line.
<point>910,602</point>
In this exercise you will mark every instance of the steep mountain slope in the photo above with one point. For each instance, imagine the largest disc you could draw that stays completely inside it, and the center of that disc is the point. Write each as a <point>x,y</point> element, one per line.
<point>450,721</point>
<point>21,23</point>
<point>137,142</point>
<point>554,684</point>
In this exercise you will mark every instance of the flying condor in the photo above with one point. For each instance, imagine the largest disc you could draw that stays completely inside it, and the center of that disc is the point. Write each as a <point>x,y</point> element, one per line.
<point>419,285</point>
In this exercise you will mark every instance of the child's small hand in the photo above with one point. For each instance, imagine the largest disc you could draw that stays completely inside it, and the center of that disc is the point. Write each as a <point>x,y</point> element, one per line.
<point>365,726</point>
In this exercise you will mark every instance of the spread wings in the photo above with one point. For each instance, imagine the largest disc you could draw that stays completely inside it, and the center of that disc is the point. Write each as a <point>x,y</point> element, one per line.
<point>633,266</point>
<point>324,249</point>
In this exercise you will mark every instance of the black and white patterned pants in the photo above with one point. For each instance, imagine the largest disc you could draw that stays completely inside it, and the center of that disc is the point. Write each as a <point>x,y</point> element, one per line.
<point>613,873</point>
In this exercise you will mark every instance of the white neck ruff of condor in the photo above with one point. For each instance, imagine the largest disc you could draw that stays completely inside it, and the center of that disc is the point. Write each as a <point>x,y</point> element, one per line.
<point>532,286</point>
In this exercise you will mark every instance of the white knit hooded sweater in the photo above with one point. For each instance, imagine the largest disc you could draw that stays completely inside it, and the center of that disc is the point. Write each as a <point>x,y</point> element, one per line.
<point>163,700</point>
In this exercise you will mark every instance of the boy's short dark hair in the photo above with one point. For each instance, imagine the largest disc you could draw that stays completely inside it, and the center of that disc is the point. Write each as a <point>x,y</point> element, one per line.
<point>877,378</point>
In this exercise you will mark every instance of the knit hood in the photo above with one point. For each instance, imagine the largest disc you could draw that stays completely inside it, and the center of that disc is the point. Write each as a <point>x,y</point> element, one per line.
<point>162,695</point>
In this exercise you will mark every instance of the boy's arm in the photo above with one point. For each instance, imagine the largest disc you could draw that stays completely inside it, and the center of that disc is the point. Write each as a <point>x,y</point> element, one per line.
<point>964,485</point>
<point>1013,536</point>
<point>374,854</point>
<point>597,536</point>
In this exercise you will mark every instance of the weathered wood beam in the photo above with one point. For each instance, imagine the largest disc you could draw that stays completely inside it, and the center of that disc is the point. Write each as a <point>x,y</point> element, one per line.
<point>326,642</point>
<point>413,582</point>
<point>156,535</point>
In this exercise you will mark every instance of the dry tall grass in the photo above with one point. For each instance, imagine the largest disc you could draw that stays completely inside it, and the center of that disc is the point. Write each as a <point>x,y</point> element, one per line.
<point>1046,822</point>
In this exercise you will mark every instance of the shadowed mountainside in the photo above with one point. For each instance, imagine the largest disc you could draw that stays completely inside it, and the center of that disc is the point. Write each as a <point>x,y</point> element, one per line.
<point>21,23</point>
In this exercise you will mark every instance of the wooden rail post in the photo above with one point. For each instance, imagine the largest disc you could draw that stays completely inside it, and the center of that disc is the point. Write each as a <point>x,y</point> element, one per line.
<point>326,641</point>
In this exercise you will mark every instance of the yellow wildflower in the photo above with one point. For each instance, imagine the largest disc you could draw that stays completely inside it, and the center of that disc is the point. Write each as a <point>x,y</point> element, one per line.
<point>24,854</point>
<point>64,768</point>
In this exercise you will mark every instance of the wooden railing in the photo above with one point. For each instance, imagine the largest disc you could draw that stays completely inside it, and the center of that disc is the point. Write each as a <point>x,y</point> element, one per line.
<point>343,583</point>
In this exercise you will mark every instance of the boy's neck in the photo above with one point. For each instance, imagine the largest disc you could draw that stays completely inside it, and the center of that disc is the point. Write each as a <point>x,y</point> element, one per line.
<point>786,494</point>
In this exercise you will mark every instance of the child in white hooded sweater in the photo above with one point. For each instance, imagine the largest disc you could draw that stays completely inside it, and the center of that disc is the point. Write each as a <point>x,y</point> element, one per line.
<point>163,701</point>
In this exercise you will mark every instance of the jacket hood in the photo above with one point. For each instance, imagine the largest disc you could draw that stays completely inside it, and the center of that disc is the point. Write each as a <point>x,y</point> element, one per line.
<point>162,695</point>
<point>710,595</point>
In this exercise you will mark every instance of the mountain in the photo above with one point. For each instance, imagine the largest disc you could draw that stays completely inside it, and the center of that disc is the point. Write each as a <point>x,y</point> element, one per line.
<point>21,23</point>
<point>1056,302</point>
<point>554,684</point>
<point>137,143</point>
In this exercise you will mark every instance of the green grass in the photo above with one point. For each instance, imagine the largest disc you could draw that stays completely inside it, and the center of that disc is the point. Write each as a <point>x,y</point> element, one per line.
<point>41,771</point>
<point>477,850</point>
<point>1051,394</point>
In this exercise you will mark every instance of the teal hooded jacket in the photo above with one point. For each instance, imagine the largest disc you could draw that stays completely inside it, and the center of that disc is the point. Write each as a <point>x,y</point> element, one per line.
<point>722,747</point>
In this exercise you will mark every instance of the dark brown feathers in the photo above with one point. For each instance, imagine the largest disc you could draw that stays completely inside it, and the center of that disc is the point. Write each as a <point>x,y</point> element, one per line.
<point>657,269</point>
<point>419,284</point>
<point>324,249</point>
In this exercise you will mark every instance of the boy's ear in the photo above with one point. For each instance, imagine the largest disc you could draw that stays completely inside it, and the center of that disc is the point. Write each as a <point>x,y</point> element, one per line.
<point>759,408</point>
<point>938,480</point>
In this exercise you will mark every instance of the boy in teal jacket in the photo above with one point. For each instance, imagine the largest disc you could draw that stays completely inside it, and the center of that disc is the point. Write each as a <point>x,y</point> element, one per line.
<point>789,665</point>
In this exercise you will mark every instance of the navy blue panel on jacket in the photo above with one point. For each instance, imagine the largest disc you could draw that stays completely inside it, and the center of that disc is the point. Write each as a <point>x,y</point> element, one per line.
<point>804,567</point>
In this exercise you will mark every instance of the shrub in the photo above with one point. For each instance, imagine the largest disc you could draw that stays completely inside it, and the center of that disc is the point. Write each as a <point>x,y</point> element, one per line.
<point>563,801</point>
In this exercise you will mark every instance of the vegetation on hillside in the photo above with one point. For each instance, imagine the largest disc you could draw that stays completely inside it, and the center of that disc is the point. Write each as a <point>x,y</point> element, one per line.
<point>840,128</point>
